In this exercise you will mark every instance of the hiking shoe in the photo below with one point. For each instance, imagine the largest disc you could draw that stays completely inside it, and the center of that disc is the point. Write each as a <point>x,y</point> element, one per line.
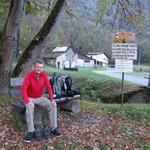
<point>46,133</point>
<point>37,133</point>
<point>28,137</point>
<point>56,132</point>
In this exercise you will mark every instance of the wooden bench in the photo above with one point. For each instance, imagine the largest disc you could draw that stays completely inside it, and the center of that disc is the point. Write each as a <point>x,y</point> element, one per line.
<point>66,103</point>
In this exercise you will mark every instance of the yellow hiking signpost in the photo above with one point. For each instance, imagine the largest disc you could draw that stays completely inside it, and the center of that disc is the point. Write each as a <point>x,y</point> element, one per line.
<point>124,51</point>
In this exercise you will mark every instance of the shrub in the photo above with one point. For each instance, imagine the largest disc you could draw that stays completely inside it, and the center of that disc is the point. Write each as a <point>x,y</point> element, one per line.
<point>71,69</point>
<point>99,89</point>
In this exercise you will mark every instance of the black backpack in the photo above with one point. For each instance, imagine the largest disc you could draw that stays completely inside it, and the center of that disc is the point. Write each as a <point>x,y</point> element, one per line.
<point>67,86</point>
<point>55,82</point>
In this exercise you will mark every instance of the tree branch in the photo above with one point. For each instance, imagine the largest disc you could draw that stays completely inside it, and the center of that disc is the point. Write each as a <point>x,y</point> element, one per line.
<point>33,51</point>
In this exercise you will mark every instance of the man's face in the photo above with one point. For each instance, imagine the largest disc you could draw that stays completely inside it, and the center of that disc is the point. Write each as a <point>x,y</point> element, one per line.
<point>38,68</point>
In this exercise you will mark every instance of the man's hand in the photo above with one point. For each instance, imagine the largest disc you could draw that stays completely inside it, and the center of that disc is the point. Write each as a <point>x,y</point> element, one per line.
<point>30,105</point>
<point>54,103</point>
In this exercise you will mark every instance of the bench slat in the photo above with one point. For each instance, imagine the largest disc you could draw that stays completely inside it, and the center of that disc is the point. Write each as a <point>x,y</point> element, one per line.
<point>15,90</point>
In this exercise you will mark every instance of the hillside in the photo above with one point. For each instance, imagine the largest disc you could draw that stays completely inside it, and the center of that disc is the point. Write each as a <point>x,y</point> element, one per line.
<point>89,26</point>
<point>92,37</point>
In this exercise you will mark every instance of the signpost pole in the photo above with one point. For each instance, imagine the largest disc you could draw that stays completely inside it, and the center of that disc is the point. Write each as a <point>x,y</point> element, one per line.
<point>124,53</point>
<point>139,60</point>
<point>122,90</point>
<point>149,80</point>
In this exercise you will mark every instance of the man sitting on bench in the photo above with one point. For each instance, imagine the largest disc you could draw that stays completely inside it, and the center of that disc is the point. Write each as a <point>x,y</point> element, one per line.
<point>31,91</point>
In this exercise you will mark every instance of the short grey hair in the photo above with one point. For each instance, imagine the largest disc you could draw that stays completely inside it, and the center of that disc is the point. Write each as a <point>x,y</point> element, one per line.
<point>38,62</point>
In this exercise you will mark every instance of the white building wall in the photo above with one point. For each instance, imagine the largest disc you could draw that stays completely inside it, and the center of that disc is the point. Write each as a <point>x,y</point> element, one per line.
<point>101,58</point>
<point>89,64</point>
<point>62,63</point>
<point>79,62</point>
<point>67,64</point>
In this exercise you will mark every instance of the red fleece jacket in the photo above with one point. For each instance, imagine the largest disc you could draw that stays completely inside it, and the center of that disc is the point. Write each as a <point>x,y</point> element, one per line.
<point>33,88</point>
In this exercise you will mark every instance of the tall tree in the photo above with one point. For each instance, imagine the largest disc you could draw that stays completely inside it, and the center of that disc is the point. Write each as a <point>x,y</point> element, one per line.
<point>126,11</point>
<point>10,38</point>
<point>34,49</point>
<point>8,43</point>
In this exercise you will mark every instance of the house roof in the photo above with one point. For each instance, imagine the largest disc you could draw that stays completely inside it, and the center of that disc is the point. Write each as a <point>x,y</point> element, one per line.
<point>56,52</point>
<point>94,53</point>
<point>52,55</point>
<point>60,49</point>
<point>85,57</point>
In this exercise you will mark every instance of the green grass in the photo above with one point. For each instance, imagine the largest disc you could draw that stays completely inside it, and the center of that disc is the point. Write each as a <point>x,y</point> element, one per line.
<point>142,66</point>
<point>134,73</point>
<point>82,72</point>
<point>93,86</point>
<point>132,111</point>
<point>143,74</point>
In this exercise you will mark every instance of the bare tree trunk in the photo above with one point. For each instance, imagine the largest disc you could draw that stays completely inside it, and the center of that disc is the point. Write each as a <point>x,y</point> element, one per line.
<point>17,52</point>
<point>34,49</point>
<point>9,41</point>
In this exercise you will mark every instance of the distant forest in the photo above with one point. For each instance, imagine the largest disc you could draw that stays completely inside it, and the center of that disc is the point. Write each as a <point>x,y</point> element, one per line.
<point>86,25</point>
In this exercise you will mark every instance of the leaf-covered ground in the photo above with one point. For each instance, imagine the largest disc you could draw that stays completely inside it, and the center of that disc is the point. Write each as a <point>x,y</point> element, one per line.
<point>96,127</point>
